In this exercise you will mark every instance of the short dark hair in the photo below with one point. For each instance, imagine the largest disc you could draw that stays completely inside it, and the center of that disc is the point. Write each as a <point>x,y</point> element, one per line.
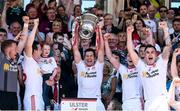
<point>116,53</point>
<point>3,30</point>
<point>29,6</point>
<point>163,7</point>
<point>6,44</point>
<point>76,7</point>
<point>35,45</point>
<point>149,46</point>
<point>142,45</point>
<point>90,50</point>
<point>176,20</point>
<point>50,1</point>
<point>56,34</point>
<point>62,7</point>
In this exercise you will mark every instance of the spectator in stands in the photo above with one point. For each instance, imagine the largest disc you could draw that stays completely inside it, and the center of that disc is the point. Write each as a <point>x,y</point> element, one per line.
<point>67,83</point>
<point>108,86</point>
<point>15,12</point>
<point>52,4</point>
<point>149,23</point>
<point>170,16</point>
<point>76,12</point>
<point>100,13</point>
<point>108,25</point>
<point>137,34</point>
<point>32,12</point>
<point>45,25</point>
<point>141,51</point>
<point>56,27</point>
<point>152,12</point>
<point>3,36</point>
<point>61,15</point>
<point>175,37</point>
<point>163,17</point>
<point>113,42</point>
<point>121,19</point>
<point>14,30</point>
<point>122,49</point>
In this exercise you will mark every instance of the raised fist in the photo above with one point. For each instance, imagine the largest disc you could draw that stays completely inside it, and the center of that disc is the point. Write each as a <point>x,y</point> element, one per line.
<point>107,36</point>
<point>36,21</point>
<point>177,51</point>
<point>163,25</point>
<point>176,82</point>
<point>26,19</point>
<point>130,29</point>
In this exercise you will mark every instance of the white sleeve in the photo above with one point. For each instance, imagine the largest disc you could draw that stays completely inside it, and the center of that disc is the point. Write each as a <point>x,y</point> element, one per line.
<point>99,65</point>
<point>26,57</point>
<point>79,65</point>
<point>140,64</point>
<point>122,69</point>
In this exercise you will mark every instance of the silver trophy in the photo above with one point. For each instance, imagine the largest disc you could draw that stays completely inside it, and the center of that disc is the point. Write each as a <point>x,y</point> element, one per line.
<point>87,24</point>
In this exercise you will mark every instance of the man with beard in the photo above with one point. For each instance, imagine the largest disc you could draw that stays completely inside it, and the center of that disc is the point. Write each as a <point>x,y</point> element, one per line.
<point>175,37</point>
<point>150,23</point>
<point>152,69</point>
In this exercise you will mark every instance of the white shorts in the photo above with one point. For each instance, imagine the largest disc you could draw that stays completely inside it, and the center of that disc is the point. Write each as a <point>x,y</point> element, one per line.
<point>158,104</point>
<point>99,105</point>
<point>39,103</point>
<point>132,105</point>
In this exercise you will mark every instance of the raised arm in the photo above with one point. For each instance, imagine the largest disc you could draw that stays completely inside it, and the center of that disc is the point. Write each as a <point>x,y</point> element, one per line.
<point>130,46</point>
<point>149,38</point>
<point>3,17</point>
<point>100,44</point>
<point>30,40</point>
<point>113,61</point>
<point>171,94</point>
<point>75,44</point>
<point>24,34</point>
<point>167,48</point>
<point>174,71</point>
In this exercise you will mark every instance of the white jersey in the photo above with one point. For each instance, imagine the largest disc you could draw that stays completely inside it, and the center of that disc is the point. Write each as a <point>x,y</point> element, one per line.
<point>153,78</point>
<point>33,83</point>
<point>47,64</point>
<point>131,84</point>
<point>89,80</point>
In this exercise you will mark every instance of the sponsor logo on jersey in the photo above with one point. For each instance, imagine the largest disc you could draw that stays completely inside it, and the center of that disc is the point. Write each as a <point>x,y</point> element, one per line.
<point>88,74</point>
<point>150,74</point>
<point>10,67</point>
<point>130,75</point>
